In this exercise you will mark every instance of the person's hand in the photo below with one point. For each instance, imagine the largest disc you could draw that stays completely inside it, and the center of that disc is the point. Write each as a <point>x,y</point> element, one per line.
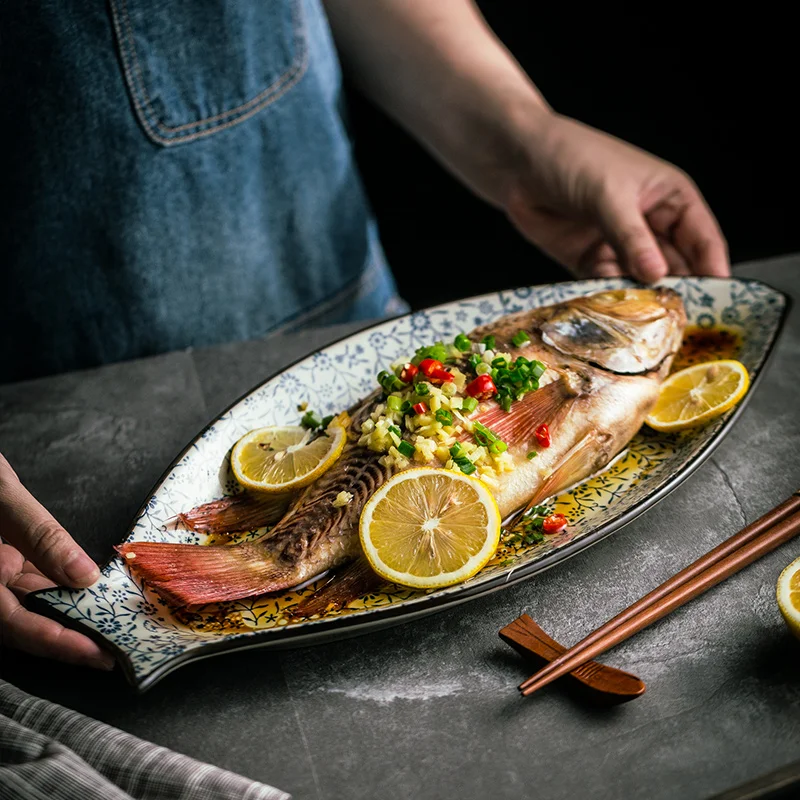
<point>35,551</point>
<point>604,208</point>
<point>597,205</point>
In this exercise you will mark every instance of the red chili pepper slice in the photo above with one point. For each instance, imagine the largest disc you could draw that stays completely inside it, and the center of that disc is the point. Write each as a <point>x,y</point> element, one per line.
<point>440,376</point>
<point>420,408</point>
<point>554,523</point>
<point>434,370</point>
<point>542,434</point>
<point>482,388</point>
<point>408,372</point>
<point>429,364</point>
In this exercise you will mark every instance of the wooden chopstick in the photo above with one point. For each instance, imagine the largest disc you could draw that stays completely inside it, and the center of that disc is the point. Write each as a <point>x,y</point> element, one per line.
<point>755,529</point>
<point>757,539</point>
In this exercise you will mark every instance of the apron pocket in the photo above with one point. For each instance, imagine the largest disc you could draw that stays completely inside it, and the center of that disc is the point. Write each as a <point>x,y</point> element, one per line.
<point>194,67</point>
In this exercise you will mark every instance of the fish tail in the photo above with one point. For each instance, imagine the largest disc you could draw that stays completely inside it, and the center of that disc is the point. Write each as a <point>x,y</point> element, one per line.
<point>190,574</point>
<point>354,581</point>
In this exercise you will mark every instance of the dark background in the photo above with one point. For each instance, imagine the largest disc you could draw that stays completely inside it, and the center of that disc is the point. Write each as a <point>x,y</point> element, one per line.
<point>714,95</point>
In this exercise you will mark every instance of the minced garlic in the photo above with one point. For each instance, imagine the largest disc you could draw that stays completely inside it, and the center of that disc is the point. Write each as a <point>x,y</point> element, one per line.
<point>342,499</point>
<point>430,438</point>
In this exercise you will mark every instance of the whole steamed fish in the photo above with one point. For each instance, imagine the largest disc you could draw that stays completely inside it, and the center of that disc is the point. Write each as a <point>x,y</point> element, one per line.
<point>606,356</point>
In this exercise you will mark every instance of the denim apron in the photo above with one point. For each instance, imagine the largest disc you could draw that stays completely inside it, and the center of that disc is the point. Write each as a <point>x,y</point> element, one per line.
<point>177,173</point>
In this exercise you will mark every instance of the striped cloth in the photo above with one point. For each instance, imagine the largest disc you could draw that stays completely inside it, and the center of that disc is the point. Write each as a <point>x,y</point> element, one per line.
<point>48,752</point>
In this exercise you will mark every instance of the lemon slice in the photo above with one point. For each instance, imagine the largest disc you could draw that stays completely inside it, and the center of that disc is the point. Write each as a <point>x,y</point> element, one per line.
<point>697,394</point>
<point>789,596</point>
<point>278,459</point>
<point>427,528</point>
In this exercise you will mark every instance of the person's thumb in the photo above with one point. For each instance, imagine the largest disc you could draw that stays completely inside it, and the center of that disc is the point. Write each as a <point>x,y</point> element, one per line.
<point>634,243</point>
<point>28,525</point>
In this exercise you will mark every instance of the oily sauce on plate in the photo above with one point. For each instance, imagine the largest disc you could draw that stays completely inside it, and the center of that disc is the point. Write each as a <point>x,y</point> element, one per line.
<point>707,344</point>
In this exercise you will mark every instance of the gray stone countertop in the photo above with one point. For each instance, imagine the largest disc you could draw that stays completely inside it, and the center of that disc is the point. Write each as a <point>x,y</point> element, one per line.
<point>429,709</point>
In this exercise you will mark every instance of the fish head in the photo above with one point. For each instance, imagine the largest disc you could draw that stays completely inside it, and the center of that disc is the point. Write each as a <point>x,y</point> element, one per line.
<point>627,331</point>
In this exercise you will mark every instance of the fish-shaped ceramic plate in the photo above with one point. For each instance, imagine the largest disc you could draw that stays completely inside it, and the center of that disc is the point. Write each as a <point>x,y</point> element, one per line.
<point>727,318</point>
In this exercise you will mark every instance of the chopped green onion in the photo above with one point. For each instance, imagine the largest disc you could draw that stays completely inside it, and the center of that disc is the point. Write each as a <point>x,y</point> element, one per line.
<point>474,360</point>
<point>389,382</point>
<point>422,388</point>
<point>465,465</point>
<point>394,402</point>
<point>469,404</point>
<point>480,429</point>
<point>533,537</point>
<point>519,338</point>
<point>515,379</point>
<point>538,511</point>
<point>531,455</point>
<point>444,416</point>
<point>489,341</point>
<point>483,368</point>
<point>406,408</point>
<point>327,420</point>
<point>406,448</point>
<point>311,420</point>
<point>463,343</point>
<point>453,354</point>
<point>395,430</point>
<point>437,351</point>
<point>488,438</point>
<point>457,451</point>
<point>533,524</point>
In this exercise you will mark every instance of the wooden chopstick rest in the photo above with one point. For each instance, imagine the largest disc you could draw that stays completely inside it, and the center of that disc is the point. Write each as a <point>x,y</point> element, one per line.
<point>606,684</point>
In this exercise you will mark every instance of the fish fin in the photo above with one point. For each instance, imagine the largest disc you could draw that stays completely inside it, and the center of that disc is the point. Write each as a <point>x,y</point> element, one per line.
<point>354,581</point>
<point>191,574</point>
<point>240,512</point>
<point>584,459</point>
<point>535,408</point>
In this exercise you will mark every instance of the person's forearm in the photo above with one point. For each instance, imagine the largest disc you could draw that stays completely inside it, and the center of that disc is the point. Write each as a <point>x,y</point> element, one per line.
<point>598,205</point>
<point>437,69</point>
